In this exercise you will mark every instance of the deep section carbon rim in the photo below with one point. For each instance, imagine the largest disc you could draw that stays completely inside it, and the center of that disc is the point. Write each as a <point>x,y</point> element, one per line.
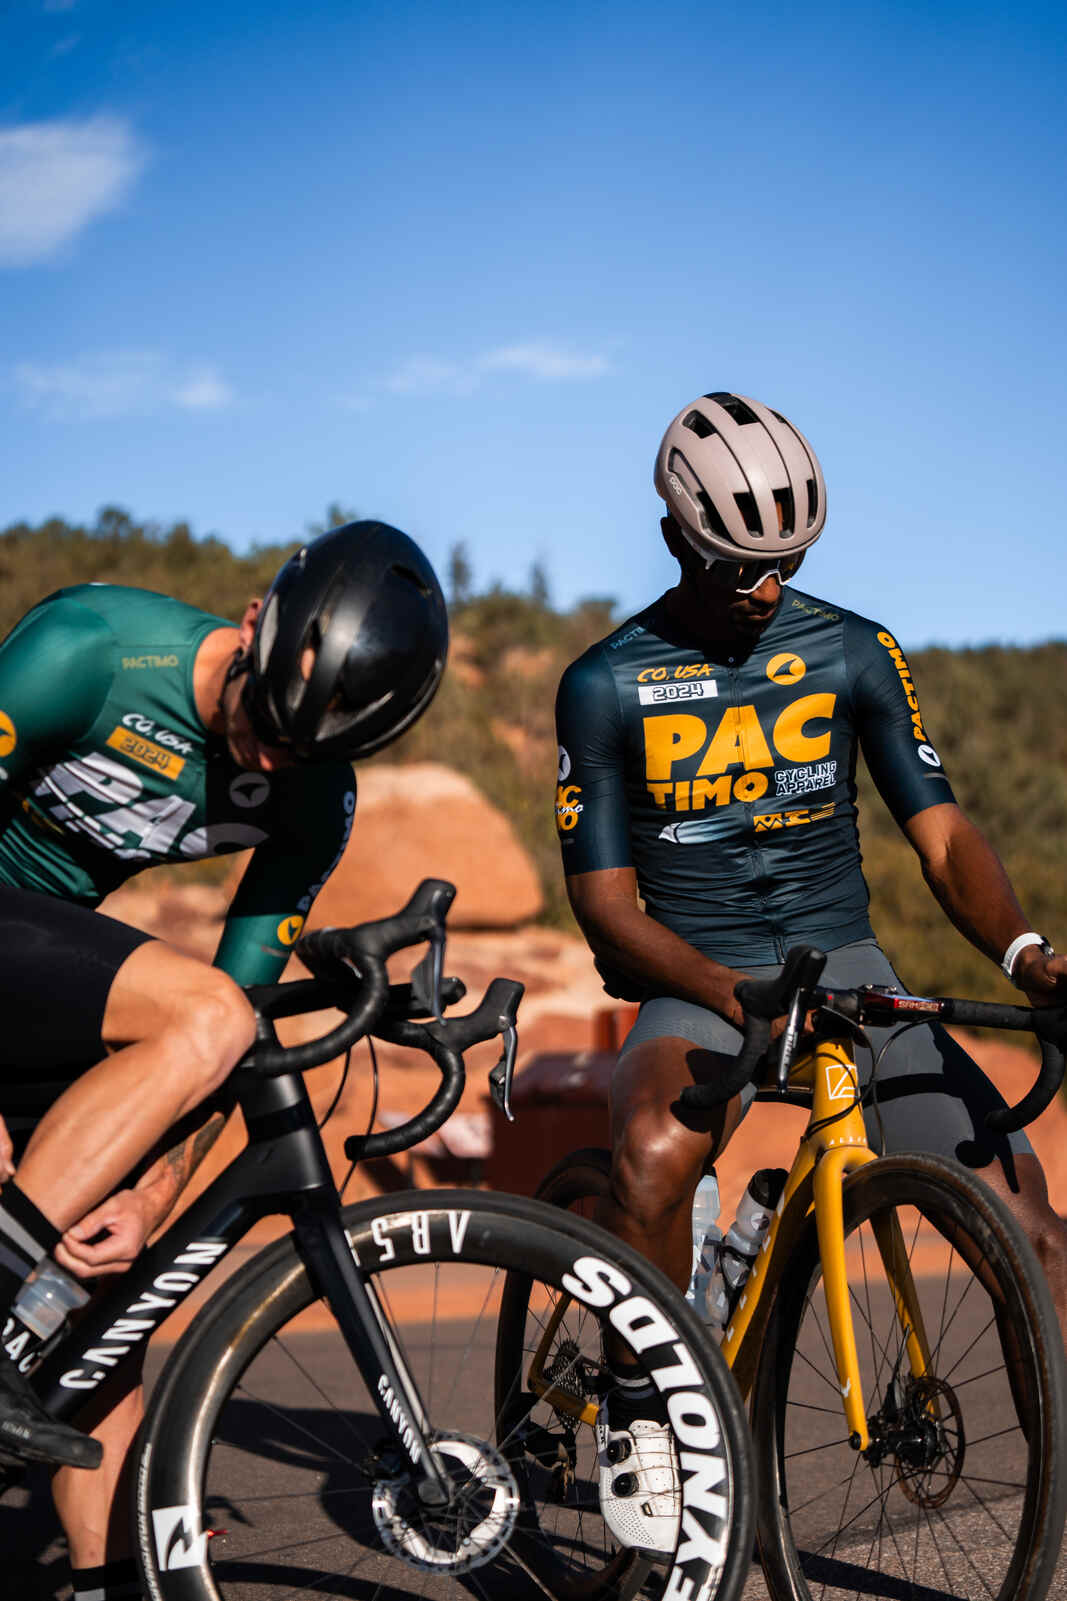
<point>266,1474</point>
<point>958,1494</point>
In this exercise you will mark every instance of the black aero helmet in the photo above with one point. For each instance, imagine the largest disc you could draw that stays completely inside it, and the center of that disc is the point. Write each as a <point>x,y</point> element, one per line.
<point>349,646</point>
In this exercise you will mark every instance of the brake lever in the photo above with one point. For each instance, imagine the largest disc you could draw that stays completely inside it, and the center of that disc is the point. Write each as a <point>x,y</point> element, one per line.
<point>787,1048</point>
<point>501,1075</point>
<point>427,977</point>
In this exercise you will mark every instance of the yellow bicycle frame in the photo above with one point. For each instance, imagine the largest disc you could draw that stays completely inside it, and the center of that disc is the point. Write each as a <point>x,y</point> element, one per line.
<point>833,1146</point>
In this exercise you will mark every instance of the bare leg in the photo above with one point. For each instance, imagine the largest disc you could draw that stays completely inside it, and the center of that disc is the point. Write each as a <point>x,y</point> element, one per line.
<point>659,1152</point>
<point>182,1026</point>
<point>94,1508</point>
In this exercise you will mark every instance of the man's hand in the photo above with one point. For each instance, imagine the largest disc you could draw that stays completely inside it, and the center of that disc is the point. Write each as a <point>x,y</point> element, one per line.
<point>125,1219</point>
<point>7,1154</point>
<point>1042,979</point>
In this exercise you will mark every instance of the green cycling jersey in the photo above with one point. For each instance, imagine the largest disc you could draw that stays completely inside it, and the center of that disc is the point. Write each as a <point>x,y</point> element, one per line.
<point>106,768</point>
<point>728,782</point>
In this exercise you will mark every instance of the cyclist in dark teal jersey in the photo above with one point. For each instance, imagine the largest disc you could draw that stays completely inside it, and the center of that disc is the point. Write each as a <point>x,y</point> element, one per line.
<point>706,809</point>
<point>136,730</point>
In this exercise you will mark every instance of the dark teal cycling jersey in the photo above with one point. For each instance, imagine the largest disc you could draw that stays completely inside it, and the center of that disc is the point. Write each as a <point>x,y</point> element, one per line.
<point>728,784</point>
<point>106,768</point>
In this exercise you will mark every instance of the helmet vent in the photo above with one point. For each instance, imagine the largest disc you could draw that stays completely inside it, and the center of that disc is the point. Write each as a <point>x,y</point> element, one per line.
<point>267,631</point>
<point>736,407</point>
<point>710,516</point>
<point>813,501</point>
<point>783,499</point>
<point>411,577</point>
<point>698,424</point>
<point>746,505</point>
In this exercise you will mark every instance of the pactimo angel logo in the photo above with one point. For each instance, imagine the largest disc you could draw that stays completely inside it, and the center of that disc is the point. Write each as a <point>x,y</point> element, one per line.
<point>250,789</point>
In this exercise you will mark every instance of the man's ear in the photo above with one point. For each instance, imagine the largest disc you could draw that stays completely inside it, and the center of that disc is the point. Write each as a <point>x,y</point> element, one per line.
<point>247,626</point>
<point>680,548</point>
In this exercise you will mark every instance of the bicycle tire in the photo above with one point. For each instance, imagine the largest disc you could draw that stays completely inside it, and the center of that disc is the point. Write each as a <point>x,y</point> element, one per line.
<point>967,1503</point>
<point>250,1428</point>
<point>578,1178</point>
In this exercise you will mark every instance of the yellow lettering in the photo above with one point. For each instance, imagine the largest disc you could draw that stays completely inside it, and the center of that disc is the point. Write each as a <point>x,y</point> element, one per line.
<point>714,794</point>
<point>669,740</point>
<point>681,795</point>
<point>651,675</point>
<point>659,793</point>
<point>737,742</point>
<point>765,821</point>
<point>789,735</point>
<point>750,786</point>
<point>8,737</point>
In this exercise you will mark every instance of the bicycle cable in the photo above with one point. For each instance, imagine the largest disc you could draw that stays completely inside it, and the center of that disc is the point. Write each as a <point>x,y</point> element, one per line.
<point>870,1094</point>
<point>373,1109</point>
<point>331,1109</point>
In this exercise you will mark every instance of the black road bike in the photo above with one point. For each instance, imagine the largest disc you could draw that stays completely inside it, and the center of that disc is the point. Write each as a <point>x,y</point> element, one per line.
<point>328,1424</point>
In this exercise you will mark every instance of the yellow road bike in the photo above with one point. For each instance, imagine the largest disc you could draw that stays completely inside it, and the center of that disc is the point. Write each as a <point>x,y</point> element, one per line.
<point>895,1339</point>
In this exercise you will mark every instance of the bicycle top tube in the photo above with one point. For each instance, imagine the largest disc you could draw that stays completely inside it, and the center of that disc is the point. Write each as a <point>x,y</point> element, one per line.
<point>794,993</point>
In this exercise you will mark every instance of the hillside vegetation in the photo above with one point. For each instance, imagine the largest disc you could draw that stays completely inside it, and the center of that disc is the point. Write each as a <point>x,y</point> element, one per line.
<point>996,715</point>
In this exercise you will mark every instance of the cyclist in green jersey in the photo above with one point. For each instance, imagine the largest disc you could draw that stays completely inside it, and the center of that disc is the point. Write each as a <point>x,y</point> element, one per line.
<point>706,807</point>
<point>137,730</point>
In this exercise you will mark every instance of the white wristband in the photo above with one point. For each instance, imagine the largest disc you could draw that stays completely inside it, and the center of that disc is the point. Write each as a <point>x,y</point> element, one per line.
<point>1020,943</point>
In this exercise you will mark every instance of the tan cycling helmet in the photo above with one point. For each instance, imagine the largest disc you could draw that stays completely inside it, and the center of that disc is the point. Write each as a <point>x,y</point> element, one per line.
<point>726,466</point>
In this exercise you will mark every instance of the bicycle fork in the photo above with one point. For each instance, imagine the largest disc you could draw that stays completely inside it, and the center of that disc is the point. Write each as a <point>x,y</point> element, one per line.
<point>324,1245</point>
<point>835,1146</point>
<point>842,1149</point>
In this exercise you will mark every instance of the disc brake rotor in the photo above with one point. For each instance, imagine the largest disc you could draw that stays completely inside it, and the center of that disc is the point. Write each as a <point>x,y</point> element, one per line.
<point>471,1529</point>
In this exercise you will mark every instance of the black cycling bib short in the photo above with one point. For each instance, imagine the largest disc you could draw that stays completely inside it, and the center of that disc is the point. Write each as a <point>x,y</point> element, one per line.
<point>106,768</point>
<point>728,784</point>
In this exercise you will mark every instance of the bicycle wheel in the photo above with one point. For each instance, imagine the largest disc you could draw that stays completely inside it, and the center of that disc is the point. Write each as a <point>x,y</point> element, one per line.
<point>263,1471</point>
<point>578,1180</point>
<point>960,1493</point>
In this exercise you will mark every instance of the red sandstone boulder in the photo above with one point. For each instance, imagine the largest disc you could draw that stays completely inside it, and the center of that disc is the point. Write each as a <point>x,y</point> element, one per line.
<point>427,821</point>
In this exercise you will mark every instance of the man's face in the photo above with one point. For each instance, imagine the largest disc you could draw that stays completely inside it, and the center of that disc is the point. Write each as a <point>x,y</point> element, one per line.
<point>745,616</point>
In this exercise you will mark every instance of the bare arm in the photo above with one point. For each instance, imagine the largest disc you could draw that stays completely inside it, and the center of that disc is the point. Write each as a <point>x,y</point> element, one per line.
<point>968,880</point>
<point>128,1218</point>
<point>163,1182</point>
<point>621,935</point>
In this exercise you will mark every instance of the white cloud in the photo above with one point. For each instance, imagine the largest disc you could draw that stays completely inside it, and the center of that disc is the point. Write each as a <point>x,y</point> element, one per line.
<point>546,361</point>
<point>122,384</point>
<point>57,177</point>
<point>203,390</point>
<point>421,375</point>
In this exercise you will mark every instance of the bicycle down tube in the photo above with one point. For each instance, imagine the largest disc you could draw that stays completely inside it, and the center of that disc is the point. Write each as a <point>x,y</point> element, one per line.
<point>283,1170</point>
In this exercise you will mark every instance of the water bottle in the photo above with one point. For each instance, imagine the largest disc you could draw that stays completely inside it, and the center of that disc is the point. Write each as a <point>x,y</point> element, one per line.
<point>743,1239</point>
<point>706,1237</point>
<point>46,1298</point>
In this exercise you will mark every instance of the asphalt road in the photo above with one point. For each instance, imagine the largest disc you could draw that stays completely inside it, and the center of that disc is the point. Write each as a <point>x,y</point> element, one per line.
<point>311,1454</point>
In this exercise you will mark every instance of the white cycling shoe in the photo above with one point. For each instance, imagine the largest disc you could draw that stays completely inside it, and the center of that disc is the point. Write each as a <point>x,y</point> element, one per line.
<point>640,1492</point>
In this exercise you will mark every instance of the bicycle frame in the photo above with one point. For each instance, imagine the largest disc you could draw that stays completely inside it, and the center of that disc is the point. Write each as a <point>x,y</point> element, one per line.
<point>834,1145</point>
<point>282,1171</point>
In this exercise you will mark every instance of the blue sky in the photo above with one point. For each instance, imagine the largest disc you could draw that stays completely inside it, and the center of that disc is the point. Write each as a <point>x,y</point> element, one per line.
<point>458,265</point>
